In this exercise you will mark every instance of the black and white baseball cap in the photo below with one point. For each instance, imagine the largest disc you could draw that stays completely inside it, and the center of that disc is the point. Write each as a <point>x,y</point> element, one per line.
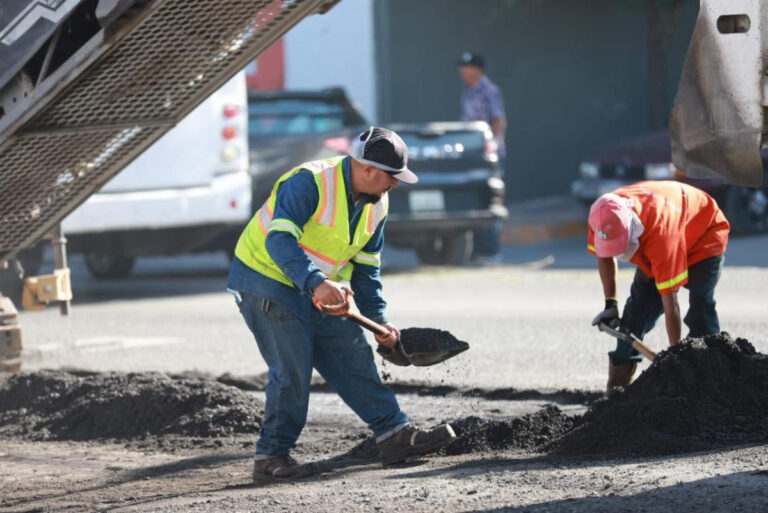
<point>471,59</point>
<point>385,150</point>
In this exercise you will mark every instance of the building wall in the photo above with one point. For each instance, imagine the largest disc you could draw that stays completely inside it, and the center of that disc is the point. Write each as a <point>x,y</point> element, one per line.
<point>335,49</point>
<point>573,74</point>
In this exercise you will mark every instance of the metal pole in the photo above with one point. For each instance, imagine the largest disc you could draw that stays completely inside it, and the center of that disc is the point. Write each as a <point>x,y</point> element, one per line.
<point>49,55</point>
<point>59,243</point>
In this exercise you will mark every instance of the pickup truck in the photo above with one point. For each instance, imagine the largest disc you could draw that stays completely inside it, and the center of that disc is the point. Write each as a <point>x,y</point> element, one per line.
<point>286,128</point>
<point>450,216</point>
<point>459,200</point>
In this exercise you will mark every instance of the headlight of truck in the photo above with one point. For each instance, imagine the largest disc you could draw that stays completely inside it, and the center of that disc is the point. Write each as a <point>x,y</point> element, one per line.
<point>589,170</point>
<point>659,171</point>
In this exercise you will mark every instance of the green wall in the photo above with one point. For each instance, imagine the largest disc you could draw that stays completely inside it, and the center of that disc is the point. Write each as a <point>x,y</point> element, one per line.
<point>574,74</point>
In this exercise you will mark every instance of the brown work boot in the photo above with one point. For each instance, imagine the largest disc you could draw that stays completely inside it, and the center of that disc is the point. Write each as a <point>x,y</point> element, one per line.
<point>620,375</point>
<point>411,441</point>
<point>282,468</point>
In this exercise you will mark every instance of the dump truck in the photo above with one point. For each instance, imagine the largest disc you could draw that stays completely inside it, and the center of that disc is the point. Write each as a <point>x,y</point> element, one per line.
<point>718,121</point>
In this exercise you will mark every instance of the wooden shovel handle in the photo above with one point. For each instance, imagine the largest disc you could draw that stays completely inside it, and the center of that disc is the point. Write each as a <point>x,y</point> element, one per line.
<point>641,348</point>
<point>630,338</point>
<point>345,310</point>
<point>368,324</point>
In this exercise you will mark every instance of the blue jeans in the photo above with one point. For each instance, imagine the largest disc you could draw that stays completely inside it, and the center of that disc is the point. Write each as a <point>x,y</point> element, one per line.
<point>291,347</point>
<point>487,242</point>
<point>643,308</point>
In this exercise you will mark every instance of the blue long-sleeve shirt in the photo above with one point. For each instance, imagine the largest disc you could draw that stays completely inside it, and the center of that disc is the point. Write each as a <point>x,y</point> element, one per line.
<point>297,200</point>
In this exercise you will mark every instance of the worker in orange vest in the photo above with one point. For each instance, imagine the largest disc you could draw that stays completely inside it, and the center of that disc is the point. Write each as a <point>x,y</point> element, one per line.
<point>676,235</point>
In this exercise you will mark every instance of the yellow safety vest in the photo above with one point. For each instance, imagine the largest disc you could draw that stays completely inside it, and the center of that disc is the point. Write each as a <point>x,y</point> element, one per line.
<point>325,237</point>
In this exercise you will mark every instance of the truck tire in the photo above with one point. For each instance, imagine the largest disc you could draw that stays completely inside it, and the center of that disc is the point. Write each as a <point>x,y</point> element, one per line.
<point>746,209</point>
<point>487,242</point>
<point>109,267</point>
<point>453,248</point>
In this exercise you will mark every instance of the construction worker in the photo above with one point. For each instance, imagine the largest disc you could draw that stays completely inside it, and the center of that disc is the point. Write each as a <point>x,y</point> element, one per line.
<point>676,236</point>
<point>323,224</point>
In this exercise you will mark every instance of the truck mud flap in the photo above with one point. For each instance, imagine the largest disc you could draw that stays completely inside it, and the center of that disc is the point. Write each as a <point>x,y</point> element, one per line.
<point>717,121</point>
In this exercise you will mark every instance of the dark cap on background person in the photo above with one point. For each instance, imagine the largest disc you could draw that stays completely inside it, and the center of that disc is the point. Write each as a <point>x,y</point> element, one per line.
<point>383,149</point>
<point>471,59</point>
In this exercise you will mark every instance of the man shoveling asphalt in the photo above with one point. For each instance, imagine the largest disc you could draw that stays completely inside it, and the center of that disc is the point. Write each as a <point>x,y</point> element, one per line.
<point>323,223</point>
<point>676,236</point>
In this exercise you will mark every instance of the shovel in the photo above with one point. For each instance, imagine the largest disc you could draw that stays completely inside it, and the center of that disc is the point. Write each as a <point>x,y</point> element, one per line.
<point>629,338</point>
<point>417,346</point>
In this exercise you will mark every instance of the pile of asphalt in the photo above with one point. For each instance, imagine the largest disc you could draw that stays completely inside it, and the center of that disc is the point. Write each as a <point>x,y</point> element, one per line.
<point>58,405</point>
<point>474,435</point>
<point>700,394</point>
<point>529,432</point>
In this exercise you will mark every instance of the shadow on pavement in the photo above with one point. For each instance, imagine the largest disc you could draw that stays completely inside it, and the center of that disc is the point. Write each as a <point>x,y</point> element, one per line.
<point>140,474</point>
<point>740,491</point>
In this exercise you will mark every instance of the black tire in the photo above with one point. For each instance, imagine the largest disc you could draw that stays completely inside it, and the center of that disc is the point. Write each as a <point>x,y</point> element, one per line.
<point>447,249</point>
<point>109,267</point>
<point>487,242</point>
<point>747,209</point>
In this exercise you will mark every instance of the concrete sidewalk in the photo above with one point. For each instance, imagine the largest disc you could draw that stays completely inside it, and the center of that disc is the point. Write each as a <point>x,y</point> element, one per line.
<point>544,219</point>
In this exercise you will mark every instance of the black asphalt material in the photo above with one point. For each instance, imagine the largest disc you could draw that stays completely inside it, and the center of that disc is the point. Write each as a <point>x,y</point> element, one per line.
<point>56,405</point>
<point>697,395</point>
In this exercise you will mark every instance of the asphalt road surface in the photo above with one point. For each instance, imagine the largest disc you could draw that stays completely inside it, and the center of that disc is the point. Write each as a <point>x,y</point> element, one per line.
<point>526,316</point>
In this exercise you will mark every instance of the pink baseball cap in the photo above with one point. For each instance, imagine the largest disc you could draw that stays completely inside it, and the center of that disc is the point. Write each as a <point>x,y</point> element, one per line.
<point>609,219</point>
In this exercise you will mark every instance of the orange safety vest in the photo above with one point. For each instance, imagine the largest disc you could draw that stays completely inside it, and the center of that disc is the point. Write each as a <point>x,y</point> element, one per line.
<point>682,226</point>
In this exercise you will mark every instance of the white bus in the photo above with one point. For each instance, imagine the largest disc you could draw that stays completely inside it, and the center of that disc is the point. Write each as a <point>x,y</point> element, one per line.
<point>190,191</point>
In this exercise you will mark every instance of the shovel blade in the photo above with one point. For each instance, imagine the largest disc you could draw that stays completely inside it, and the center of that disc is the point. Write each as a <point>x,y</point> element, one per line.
<point>428,346</point>
<point>395,355</point>
<point>435,357</point>
<point>423,347</point>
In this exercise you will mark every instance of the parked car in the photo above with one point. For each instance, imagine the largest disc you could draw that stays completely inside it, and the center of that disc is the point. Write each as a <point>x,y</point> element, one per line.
<point>458,201</point>
<point>650,158</point>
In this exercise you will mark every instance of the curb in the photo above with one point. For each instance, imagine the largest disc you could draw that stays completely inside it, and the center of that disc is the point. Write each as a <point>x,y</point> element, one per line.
<point>525,234</point>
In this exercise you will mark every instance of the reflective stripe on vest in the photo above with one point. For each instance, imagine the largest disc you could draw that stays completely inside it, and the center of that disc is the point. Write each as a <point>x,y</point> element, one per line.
<point>368,258</point>
<point>326,213</point>
<point>325,237</point>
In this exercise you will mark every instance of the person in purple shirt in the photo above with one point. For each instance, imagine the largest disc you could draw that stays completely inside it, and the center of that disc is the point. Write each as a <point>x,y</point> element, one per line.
<point>481,100</point>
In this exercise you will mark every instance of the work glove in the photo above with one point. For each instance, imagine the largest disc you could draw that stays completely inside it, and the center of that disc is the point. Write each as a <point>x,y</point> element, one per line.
<point>609,316</point>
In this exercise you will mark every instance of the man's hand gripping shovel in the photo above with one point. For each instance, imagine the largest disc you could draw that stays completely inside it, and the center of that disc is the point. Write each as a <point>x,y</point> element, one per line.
<point>394,353</point>
<point>630,338</point>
